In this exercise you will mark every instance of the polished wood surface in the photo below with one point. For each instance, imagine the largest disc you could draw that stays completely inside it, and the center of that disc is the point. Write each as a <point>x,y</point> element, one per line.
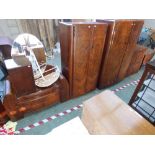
<point>137,59</point>
<point>130,48</point>
<point>21,77</point>
<point>120,40</point>
<point>82,47</point>
<point>17,107</point>
<point>22,96</point>
<point>66,36</point>
<point>81,52</point>
<point>106,113</point>
<point>114,52</point>
<point>95,56</point>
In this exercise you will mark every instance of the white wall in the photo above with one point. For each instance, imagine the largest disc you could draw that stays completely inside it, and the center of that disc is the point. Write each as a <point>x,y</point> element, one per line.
<point>9,27</point>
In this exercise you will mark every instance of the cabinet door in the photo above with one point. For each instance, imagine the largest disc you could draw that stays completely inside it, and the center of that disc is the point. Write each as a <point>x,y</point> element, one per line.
<point>136,30</point>
<point>115,53</point>
<point>95,55</point>
<point>134,35</point>
<point>82,39</point>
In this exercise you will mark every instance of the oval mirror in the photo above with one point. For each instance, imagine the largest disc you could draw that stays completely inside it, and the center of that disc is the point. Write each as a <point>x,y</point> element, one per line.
<point>28,50</point>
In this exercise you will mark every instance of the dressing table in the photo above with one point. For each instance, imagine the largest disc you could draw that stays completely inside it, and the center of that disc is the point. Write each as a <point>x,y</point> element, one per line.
<point>23,92</point>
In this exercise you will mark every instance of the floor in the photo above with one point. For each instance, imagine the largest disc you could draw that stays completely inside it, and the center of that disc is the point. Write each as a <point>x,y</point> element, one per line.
<point>40,123</point>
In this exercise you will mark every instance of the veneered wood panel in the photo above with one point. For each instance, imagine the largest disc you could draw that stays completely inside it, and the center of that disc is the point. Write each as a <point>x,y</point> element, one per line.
<point>132,42</point>
<point>81,54</point>
<point>22,79</point>
<point>16,107</point>
<point>66,42</point>
<point>82,40</point>
<point>95,56</point>
<point>106,113</point>
<point>137,59</point>
<point>115,53</point>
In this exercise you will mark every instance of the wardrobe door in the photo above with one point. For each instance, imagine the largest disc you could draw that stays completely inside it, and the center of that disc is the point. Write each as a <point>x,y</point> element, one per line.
<point>115,53</point>
<point>132,42</point>
<point>95,55</point>
<point>136,30</point>
<point>82,40</point>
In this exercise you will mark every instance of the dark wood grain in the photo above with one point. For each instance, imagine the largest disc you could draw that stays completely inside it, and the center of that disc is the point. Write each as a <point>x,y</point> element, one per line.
<point>117,54</point>
<point>16,106</point>
<point>81,52</point>
<point>130,49</point>
<point>95,56</point>
<point>21,78</point>
<point>82,47</point>
<point>66,39</point>
<point>137,59</point>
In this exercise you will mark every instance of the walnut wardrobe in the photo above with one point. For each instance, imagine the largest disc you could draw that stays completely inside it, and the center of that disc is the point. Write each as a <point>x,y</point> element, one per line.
<point>121,40</point>
<point>82,46</point>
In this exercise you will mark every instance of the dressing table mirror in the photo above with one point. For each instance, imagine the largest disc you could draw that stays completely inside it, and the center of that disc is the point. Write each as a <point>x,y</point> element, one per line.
<point>27,49</point>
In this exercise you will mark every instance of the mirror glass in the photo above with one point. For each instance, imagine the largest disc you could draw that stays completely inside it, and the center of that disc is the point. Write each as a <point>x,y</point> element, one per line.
<point>21,49</point>
<point>28,50</point>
